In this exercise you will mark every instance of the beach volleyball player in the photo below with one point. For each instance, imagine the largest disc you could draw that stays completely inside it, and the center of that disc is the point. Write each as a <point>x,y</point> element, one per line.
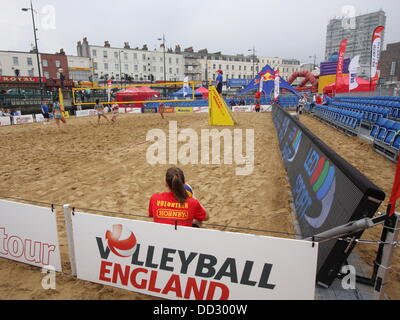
<point>176,206</point>
<point>100,111</point>
<point>115,112</point>
<point>58,115</point>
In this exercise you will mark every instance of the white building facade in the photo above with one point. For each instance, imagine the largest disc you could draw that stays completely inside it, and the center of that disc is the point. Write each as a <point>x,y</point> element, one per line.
<point>80,68</point>
<point>138,64</point>
<point>23,64</point>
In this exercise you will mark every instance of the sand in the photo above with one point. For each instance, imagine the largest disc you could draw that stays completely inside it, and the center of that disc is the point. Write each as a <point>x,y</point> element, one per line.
<point>105,168</point>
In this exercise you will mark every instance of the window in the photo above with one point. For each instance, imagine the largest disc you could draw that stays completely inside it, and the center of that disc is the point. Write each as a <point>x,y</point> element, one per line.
<point>94,53</point>
<point>58,64</point>
<point>117,76</point>
<point>46,74</point>
<point>95,65</point>
<point>15,61</point>
<point>161,69</point>
<point>1,72</point>
<point>125,56</point>
<point>30,73</point>
<point>126,67</point>
<point>170,60</point>
<point>177,70</point>
<point>29,61</point>
<point>233,67</point>
<point>144,57</point>
<point>136,68</point>
<point>105,54</point>
<point>240,68</point>
<point>116,55</point>
<point>170,70</point>
<point>214,66</point>
<point>105,66</point>
<point>144,68</point>
<point>116,66</point>
<point>177,61</point>
<point>161,59</point>
<point>45,63</point>
<point>227,67</point>
<point>244,68</point>
<point>135,56</point>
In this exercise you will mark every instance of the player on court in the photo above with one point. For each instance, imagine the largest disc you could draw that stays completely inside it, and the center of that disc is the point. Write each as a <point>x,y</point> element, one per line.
<point>58,115</point>
<point>176,206</point>
<point>115,112</point>
<point>100,111</point>
<point>161,109</point>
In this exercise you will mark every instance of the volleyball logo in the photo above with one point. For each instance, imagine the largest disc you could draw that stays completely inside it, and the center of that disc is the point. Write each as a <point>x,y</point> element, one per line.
<point>292,147</point>
<point>121,241</point>
<point>323,184</point>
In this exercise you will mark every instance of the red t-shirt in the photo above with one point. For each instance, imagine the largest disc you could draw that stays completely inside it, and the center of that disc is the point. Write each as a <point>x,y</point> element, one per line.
<point>258,95</point>
<point>318,100</point>
<point>164,206</point>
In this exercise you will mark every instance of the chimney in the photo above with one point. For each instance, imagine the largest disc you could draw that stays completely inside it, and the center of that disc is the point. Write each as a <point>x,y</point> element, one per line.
<point>145,47</point>
<point>126,45</point>
<point>107,44</point>
<point>178,49</point>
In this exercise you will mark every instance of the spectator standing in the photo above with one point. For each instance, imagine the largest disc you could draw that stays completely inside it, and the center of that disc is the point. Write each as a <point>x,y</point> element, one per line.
<point>218,81</point>
<point>45,112</point>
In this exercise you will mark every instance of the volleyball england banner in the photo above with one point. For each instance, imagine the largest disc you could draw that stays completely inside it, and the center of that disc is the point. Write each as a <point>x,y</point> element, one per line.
<point>376,52</point>
<point>28,234</point>
<point>190,263</point>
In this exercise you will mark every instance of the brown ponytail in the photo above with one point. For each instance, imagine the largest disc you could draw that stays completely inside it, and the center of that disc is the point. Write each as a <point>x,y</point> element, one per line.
<point>176,182</point>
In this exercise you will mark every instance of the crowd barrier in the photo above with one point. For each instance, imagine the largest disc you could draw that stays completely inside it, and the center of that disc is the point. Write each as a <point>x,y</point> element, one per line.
<point>161,260</point>
<point>327,191</point>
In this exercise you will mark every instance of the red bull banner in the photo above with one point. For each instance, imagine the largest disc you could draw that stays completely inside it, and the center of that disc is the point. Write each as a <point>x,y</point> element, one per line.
<point>187,263</point>
<point>340,64</point>
<point>327,191</point>
<point>376,52</point>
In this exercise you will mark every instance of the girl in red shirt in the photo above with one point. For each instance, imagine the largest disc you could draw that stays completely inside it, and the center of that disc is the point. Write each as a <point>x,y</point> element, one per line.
<point>176,206</point>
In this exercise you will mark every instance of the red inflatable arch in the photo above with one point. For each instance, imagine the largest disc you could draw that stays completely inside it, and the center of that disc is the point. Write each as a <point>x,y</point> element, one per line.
<point>309,77</point>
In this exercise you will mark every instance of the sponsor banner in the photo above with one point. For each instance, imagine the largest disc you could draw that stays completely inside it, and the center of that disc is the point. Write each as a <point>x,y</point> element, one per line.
<point>183,109</point>
<point>121,110</point>
<point>23,119</point>
<point>340,63</point>
<point>376,52</point>
<point>242,108</point>
<point>327,191</point>
<point>66,114</point>
<point>353,69</point>
<point>28,234</point>
<point>266,108</point>
<point>168,110</point>
<point>5,121</point>
<point>85,113</point>
<point>39,117</point>
<point>149,110</point>
<point>185,263</point>
<point>133,110</point>
<point>200,109</point>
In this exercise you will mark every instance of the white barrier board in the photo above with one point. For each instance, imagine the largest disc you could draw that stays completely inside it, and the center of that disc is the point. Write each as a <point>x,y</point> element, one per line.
<point>23,119</point>
<point>5,121</point>
<point>28,234</point>
<point>39,117</point>
<point>200,109</point>
<point>85,113</point>
<point>191,263</point>
<point>133,110</point>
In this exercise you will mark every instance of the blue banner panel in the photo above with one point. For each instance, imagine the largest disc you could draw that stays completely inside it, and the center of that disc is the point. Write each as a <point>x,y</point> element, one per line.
<point>327,191</point>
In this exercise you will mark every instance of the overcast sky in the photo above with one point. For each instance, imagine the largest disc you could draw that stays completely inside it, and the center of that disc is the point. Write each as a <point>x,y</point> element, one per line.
<point>284,28</point>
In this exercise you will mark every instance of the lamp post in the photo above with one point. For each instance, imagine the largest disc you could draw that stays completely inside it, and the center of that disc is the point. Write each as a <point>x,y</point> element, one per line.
<point>165,71</point>
<point>36,46</point>
<point>254,56</point>
<point>315,58</point>
<point>120,69</point>
<point>61,70</point>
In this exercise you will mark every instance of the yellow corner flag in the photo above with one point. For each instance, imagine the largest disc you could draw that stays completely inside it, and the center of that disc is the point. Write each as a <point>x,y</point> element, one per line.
<point>219,113</point>
<point>61,98</point>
